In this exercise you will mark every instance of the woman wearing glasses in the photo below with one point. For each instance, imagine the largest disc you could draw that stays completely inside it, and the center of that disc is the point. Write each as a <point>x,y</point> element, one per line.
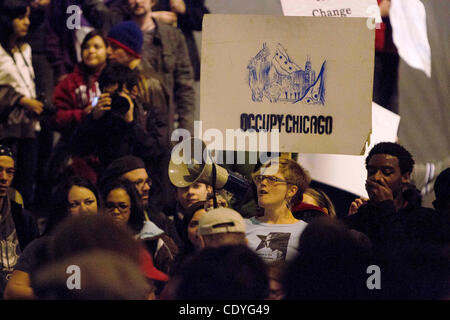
<point>280,184</point>
<point>122,203</point>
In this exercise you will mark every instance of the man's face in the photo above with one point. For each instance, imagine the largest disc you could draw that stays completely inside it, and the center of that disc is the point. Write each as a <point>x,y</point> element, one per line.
<point>6,174</point>
<point>385,167</point>
<point>142,182</point>
<point>118,55</point>
<point>194,193</point>
<point>139,8</point>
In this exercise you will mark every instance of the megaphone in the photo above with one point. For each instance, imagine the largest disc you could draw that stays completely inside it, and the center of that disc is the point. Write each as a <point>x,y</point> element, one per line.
<point>191,162</point>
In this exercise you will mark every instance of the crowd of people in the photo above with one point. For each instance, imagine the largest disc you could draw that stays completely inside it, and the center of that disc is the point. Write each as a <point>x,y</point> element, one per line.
<point>99,196</point>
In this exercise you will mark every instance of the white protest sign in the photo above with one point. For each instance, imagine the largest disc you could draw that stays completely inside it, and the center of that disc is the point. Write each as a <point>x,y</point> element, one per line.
<point>349,172</point>
<point>310,78</point>
<point>332,8</point>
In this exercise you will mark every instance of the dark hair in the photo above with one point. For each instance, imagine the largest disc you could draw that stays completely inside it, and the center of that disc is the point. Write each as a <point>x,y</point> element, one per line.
<point>442,190</point>
<point>331,264</point>
<point>93,34</point>
<point>405,159</point>
<point>10,10</point>
<point>121,75</point>
<point>59,208</point>
<point>414,271</point>
<point>189,214</point>
<point>89,36</point>
<point>136,221</point>
<point>118,278</point>
<point>85,233</point>
<point>224,273</point>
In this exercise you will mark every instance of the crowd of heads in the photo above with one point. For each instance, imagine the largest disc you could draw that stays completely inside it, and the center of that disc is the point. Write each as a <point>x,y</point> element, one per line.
<point>331,262</point>
<point>98,225</point>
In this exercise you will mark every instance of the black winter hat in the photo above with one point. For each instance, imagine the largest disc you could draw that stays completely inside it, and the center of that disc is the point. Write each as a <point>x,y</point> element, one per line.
<point>120,166</point>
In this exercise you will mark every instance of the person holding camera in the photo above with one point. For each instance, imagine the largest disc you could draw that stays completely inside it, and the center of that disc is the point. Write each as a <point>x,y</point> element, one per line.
<point>117,124</point>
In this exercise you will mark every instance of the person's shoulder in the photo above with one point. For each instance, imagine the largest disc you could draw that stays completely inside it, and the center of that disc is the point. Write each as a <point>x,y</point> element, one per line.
<point>419,213</point>
<point>252,221</point>
<point>301,223</point>
<point>37,244</point>
<point>72,80</point>
<point>165,27</point>
<point>26,49</point>
<point>172,32</point>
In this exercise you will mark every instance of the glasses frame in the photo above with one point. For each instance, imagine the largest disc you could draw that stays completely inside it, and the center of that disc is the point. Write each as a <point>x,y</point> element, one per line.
<point>140,184</point>
<point>116,206</point>
<point>258,179</point>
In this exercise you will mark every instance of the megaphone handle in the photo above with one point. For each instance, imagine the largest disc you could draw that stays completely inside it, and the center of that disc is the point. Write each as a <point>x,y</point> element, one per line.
<point>214,178</point>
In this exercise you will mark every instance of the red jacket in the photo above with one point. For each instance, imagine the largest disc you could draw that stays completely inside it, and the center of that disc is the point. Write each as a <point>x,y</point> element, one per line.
<point>70,97</point>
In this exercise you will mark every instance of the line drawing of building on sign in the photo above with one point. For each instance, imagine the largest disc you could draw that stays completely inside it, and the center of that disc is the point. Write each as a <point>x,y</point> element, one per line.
<point>272,75</point>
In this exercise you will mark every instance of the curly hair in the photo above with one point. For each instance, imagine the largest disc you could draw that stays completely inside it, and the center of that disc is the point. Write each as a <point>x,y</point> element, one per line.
<point>405,159</point>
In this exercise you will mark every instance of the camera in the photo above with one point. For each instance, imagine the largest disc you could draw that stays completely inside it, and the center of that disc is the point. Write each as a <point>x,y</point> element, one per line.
<point>119,105</point>
<point>49,108</point>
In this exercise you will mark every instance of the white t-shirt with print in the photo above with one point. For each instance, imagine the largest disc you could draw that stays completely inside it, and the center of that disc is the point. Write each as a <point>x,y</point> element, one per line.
<point>274,242</point>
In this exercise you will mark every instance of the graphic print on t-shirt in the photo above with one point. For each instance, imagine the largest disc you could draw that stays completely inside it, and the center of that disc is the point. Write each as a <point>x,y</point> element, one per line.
<point>273,246</point>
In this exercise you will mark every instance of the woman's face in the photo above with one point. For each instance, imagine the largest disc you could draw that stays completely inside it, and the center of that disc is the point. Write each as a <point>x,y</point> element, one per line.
<point>21,24</point>
<point>81,201</point>
<point>94,52</point>
<point>118,206</point>
<point>272,194</point>
<point>193,226</point>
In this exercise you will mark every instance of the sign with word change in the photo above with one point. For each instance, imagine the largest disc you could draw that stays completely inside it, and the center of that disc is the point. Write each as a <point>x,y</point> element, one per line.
<point>332,8</point>
<point>308,78</point>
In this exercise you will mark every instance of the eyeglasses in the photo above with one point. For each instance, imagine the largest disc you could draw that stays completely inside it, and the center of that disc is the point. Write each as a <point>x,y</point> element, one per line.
<point>122,207</point>
<point>141,182</point>
<point>270,179</point>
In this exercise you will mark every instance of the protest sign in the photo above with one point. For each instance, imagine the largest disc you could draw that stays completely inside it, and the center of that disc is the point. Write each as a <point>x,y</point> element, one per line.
<point>308,77</point>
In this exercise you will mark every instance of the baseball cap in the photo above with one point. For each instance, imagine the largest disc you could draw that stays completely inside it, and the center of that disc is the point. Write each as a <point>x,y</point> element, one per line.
<point>221,220</point>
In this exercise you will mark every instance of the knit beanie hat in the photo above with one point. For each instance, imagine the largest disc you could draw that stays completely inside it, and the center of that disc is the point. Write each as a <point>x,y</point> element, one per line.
<point>127,36</point>
<point>120,166</point>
